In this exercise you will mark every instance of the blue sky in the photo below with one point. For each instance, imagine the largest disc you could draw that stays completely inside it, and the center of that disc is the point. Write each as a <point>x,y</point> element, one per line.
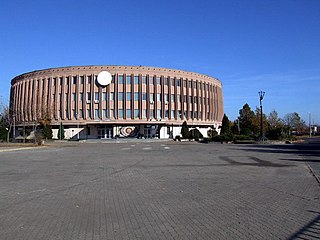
<point>250,45</point>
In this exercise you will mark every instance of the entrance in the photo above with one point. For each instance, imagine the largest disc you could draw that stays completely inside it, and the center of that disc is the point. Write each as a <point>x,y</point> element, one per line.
<point>105,133</point>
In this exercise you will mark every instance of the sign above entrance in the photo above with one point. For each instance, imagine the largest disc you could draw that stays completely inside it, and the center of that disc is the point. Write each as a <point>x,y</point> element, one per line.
<point>104,78</point>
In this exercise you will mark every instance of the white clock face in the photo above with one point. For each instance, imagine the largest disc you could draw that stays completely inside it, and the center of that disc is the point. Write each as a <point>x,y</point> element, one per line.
<point>104,78</point>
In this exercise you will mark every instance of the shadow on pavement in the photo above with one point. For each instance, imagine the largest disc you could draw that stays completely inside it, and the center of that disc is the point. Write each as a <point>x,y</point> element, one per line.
<point>310,231</point>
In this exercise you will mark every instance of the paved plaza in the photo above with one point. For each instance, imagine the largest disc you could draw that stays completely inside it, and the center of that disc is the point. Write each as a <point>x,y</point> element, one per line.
<point>157,190</point>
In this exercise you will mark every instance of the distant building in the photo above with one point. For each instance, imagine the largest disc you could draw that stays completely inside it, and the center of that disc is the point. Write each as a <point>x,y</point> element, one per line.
<point>109,101</point>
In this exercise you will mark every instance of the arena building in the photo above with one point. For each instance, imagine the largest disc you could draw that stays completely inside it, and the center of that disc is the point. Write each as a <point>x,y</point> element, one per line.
<point>117,101</point>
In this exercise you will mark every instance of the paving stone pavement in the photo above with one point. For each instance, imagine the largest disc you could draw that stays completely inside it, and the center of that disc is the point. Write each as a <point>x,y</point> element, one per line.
<point>157,190</point>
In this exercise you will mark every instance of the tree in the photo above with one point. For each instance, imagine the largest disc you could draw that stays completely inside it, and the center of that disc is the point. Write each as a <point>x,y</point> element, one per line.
<point>45,121</point>
<point>226,126</point>
<point>6,122</point>
<point>61,131</point>
<point>185,130</point>
<point>293,122</point>
<point>247,121</point>
<point>275,126</point>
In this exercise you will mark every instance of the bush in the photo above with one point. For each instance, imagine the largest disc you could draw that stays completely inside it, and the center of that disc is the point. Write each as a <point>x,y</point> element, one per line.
<point>223,138</point>
<point>195,134</point>
<point>177,138</point>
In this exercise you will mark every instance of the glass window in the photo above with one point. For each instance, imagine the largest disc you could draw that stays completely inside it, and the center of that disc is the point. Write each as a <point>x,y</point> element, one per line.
<point>81,97</point>
<point>151,113</point>
<point>67,80</point>
<point>172,97</point>
<point>158,80</point>
<point>74,113</point>
<point>89,113</point>
<point>120,96</point>
<point>184,83</point>
<point>151,97</point>
<point>96,96</point>
<point>150,80</point>
<point>104,112</point>
<point>128,113</point>
<point>61,81</point>
<point>178,82</point>
<point>104,96</point>
<point>120,113</point>
<point>112,96</point>
<point>166,81</point>
<point>136,113</point>
<point>166,114</point>
<point>166,98</point>
<point>81,79</point>
<point>74,97</point>
<point>128,96</point>
<point>144,96</point>
<point>120,79</point>
<point>136,96</point>
<point>144,113</point>
<point>144,80</point>
<point>128,79</point>
<point>89,79</point>
<point>67,114</point>
<point>159,113</point>
<point>172,113</point>
<point>179,98</point>
<point>136,79</point>
<point>96,113</point>
<point>159,97</point>
<point>80,113</point>
<point>67,95</point>
<point>74,79</point>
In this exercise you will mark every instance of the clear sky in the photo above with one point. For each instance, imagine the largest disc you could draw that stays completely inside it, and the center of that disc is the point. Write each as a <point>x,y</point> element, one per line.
<point>250,45</point>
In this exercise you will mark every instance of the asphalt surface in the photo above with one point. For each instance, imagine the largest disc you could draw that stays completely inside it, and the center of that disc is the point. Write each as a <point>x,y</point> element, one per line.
<point>159,190</point>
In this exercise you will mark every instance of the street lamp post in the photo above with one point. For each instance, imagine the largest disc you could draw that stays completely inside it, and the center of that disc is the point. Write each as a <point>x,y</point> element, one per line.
<point>261,95</point>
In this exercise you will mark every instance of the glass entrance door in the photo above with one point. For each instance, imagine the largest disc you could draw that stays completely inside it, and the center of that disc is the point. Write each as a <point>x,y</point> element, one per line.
<point>105,133</point>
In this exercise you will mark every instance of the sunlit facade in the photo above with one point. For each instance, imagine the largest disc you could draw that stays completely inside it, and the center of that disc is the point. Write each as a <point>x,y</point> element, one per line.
<point>138,102</point>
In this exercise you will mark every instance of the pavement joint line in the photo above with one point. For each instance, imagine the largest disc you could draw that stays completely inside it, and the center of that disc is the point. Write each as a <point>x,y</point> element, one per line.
<point>17,149</point>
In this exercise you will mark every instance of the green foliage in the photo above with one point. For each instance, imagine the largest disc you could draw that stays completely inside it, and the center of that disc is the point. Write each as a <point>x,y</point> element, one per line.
<point>47,132</point>
<point>195,134</point>
<point>212,132</point>
<point>226,125</point>
<point>185,130</point>
<point>61,132</point>
<point>248,121</point>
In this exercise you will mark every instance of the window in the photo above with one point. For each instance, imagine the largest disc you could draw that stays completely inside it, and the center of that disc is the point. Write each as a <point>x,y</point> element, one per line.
<point>144,113</point>
<point>67,78</point>
<point>166,114</point>
<point>159,113</point>
<point>61,81</point>
<point>144,96</point>
<point>104,113</point>
<point>74,97</point>
<point>80,113</point>
<point>144,80</point>
<point>67,114</point>
<point>151,97</point>
<point>150,80</point>
<point>74,113</point>
<point>172,113</point>
<point>88,96</point>
<point>104,96</point>
<point>136,113</point>
<point>89,79</point>
<point>88,113</point>
<point>179,98</point>
<point>136,79</point>
<point>151,113</point>
<point>128,113</point>
<point>184,83</point>
<point>166,81</point>
<point>120,79</point>
<point>81,79</point>
<point>158,81</point>
<point>128,96</point>
<point>112,96</point>
<point>74,79</point>
<point>128,79</point>
<point>96,113</point>
<point>120,96</point>
<point>172,97</point>
<point>81,97</point>
<point>159,97</point>
<point>67,95</point>
<point>136,96</point>
<point>96,96</point>
<point>120,113</point>
<point>166,99</point>
<point>178,82</point>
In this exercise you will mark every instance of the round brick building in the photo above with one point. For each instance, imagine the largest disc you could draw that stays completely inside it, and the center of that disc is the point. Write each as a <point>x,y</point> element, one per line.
<point>109,101</point>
